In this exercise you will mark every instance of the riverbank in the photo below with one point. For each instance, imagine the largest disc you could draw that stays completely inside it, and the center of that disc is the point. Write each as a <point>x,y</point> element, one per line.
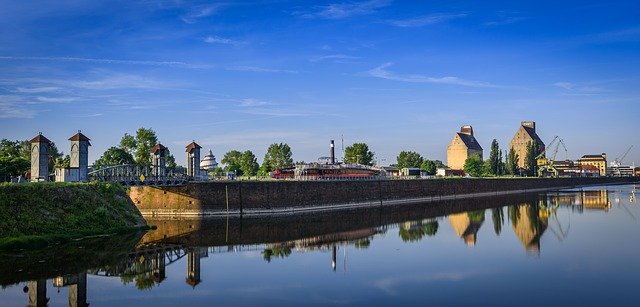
<point>35,215</point>
<point>293,197</point>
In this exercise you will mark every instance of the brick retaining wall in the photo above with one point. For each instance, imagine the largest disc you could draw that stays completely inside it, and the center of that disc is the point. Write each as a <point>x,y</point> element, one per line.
<point>269,197</point>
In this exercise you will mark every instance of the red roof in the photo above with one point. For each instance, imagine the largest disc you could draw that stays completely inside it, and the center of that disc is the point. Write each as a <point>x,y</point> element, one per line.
<point>157,148</point>
<point>40,139</point>
<point>193,146</point>
<point>80,137</point>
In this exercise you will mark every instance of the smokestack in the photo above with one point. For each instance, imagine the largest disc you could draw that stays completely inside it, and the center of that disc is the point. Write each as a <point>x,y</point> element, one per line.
<point>333,153</point>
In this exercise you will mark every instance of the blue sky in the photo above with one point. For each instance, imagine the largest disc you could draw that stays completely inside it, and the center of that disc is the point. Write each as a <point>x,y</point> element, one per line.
<point>398,75</point>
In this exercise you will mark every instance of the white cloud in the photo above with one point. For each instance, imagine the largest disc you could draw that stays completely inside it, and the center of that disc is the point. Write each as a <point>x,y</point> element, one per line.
<point>222,40</point>
<point>56,99</point>
<point>44,89</point>
<point>250,102</point>
<point>15,107</point>
<point>334,57</point>
<point>101,61</point>
<point>578,87</point>
<point>425,20</point>
<point>381,72</point>
<point>261,69</point>
<point>347,9</point>
<point>199,12</point>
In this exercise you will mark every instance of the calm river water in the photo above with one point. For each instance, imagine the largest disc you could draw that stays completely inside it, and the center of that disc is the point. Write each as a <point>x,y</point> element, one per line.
<point>567,247</point>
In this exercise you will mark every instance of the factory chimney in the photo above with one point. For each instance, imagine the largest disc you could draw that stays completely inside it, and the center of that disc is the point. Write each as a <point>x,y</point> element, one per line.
<point>333,153</point>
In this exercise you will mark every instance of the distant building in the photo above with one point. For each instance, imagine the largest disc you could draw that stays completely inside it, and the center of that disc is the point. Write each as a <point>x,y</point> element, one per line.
<point>410,171</point>
<point>621,171</point>
<point>599,161</point>
<point>447,172</point>
<point>525,135</point>
<point>390,171</point>
<point>462,146</point>
<point>209,162</point>
<point>193,159</point>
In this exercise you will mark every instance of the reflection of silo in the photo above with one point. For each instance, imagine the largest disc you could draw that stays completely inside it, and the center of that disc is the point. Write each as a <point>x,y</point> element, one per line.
<point>529,227</point>
<point>466,225</point>
<point>193,265</point>
<point>38,293</point>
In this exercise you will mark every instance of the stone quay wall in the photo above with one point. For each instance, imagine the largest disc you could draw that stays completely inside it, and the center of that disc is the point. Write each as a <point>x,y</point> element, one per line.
<point>286,197</point>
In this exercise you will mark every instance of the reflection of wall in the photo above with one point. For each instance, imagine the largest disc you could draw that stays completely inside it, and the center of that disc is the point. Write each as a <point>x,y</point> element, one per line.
<point>595,199</point>
<point>529,226</point>
<point>167,228</point>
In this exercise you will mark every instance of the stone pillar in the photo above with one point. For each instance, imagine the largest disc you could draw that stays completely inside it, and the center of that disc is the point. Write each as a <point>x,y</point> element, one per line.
<point>193,159</point>
<point>158,160</point>
<point>80,155</point>
<point>40,158</point>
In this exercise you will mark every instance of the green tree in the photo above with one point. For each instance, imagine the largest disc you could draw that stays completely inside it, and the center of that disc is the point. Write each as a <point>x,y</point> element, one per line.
<point>512,162</point>
<point>140,147</point>
<point>114,156</point>
<point>409,159</point>
<point>248,163</point>
<point>495,159</point>
<point>54,155</point>
<point>498,219</point>
<point>474,165</point>
<point>531,165</point>
<point>278,156</point>
<point>62,162</point>
<point>429,167</point>
<point>13,166</point>
<point>358,153</point>
<point>231,160</point>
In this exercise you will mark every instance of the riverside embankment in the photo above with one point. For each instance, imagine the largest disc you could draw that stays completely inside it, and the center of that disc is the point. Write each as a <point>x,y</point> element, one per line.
<point>286,197</point>
<point>36,214</point>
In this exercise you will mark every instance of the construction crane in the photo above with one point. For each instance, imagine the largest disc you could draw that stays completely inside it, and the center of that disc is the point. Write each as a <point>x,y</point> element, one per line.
<point>617,163</point>
<point>546,165</point>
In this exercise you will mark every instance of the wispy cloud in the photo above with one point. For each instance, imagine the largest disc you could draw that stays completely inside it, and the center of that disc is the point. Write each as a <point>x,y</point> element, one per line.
<point>631,34</point>
<point>381,72</point>
<point>261,69</point>
<point>578,87</point>
<point>44,89</point>
<point>199,12</point>
<point>56,99</point>
<point>222,40</point>
<point>347,9</point>
<point>251,102</point>
<point>100,61</point>
<point>341,58</point>
<point>425,20</point>
<point>15,107</point>
<point>504,18</point>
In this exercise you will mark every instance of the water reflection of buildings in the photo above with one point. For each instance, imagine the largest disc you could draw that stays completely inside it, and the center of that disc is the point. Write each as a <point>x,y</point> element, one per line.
<point>77,290</point>
<point>529,223</point>
<point>466,225</point>
<point>589,199</point>
<point>193,264</point>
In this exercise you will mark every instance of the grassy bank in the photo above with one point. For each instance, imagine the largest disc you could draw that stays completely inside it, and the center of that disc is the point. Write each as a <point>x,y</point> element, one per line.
<point>40,214</point>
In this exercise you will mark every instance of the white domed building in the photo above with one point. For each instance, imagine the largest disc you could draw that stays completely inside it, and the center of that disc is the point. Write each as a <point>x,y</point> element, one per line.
<point>209,162</point>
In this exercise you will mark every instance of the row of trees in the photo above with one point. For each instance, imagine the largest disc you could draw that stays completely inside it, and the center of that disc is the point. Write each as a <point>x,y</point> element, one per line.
<point>135,150</point>
<point>412,159</point>
<point>496,165</point>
